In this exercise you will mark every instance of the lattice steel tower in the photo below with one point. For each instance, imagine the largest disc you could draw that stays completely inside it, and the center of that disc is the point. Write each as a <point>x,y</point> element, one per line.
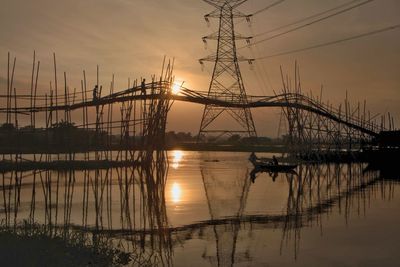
<point>226,83</point>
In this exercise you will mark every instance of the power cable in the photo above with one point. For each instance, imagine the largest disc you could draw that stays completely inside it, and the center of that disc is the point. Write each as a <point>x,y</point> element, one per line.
<point>308,24</point>
<point>307,18</point>
<point>331,42</point>
<point>266,8</point>
<point>247,18</point>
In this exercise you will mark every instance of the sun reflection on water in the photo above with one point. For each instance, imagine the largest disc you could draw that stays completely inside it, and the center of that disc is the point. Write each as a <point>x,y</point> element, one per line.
<point>176,192</point>
<point>177,158</point>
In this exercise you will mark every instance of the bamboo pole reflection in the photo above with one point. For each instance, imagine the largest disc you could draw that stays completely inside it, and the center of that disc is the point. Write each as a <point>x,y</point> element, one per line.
<point>226,192</point>
<point>317,189</point>
<point>314,191</point>
<point>85,202</point>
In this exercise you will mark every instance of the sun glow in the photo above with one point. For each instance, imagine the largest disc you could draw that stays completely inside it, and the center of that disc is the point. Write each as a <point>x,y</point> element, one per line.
<point>177,158</point>
<point>176,88</point>
<point>176,193</point>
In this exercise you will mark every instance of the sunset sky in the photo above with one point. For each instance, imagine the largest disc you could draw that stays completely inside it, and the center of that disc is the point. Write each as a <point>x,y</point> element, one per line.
<point>130,38</point>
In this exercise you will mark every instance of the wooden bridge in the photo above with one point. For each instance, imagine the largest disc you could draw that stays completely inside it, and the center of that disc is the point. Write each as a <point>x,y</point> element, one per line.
<point>312,124</point>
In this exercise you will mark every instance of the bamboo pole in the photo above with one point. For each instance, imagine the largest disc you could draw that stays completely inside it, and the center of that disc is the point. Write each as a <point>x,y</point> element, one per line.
<point>55,84</point>
<point>8,86</point>
<point>11,86</point>
<point>15,109</point>
<point>33,73</point>
<point>16,127</point>
<point>35,94</point>
<point>65,98</point>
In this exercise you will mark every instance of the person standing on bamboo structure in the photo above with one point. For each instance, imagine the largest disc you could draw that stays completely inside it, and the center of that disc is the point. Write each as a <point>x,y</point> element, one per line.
<point>143,87</point>
<point>95,93</point>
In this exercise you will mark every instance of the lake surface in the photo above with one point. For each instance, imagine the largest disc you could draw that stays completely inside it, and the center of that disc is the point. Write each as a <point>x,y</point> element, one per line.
<point>203,209</point>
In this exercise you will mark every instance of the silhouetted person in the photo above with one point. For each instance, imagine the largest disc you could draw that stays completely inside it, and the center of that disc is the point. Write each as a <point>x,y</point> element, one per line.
<point>253,158</point>
<point>143,87</point>
<point>95,93</point>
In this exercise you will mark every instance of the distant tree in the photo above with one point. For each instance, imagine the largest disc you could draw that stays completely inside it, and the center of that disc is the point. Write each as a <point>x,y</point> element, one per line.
<point>235,138</point>
<point>28,128</point>
<point>7,127</point>
<point>63,125</point>
<point>253,140</point>
<point>175,138</point>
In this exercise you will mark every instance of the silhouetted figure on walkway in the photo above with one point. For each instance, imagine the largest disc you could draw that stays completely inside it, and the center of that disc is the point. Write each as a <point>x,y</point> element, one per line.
<point>143,87</point>
<point>95,93</point>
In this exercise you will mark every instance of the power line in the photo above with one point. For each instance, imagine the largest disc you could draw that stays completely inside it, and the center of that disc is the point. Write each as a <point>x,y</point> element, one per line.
<point>332,42</point>
<point>247,18</point>
<point>308,24</point>
<point>307,18</point>
<point>261,70</point>
<point>267,7</point>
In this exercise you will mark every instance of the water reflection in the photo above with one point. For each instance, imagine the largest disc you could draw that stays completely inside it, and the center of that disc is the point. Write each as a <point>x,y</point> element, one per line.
<point>312,192</point>
<point>177,156</point>
<point>176,192</point>
<point>226,192</point>
<point>120,211</point>
<point>272,174</point>
<point>123,211</point>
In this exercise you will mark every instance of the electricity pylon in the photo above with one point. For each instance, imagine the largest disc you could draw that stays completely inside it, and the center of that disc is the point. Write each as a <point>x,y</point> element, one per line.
<point>226,83</point>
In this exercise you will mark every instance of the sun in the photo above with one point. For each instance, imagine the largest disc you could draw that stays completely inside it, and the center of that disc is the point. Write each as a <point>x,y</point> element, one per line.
<point>176,87</point>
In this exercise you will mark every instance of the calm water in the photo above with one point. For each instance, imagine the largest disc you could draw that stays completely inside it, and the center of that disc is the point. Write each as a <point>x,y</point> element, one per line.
<point>204,210</point>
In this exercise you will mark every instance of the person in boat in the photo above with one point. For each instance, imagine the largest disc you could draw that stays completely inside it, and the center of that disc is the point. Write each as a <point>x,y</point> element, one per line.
<point>275,161</point>
<point>253,158</point>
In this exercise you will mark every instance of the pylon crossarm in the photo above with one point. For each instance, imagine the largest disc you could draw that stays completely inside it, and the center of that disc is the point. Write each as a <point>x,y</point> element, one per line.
<point>224,3</point>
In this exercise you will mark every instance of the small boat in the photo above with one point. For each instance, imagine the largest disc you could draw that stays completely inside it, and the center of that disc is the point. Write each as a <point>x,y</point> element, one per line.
<point>263,164</point>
